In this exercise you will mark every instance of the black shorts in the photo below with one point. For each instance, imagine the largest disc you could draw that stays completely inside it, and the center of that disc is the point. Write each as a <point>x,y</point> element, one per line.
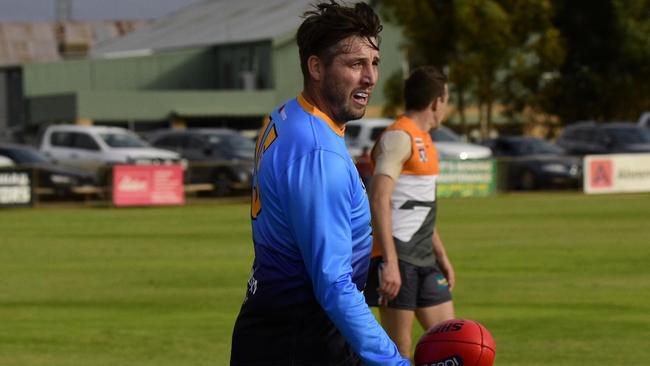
<point>299,335</point>
<point>421,286</point>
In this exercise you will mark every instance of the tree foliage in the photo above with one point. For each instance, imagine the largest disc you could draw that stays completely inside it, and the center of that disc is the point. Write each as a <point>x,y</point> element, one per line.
<point>568,58</point>
<point>606,74</point>
<point>494,50</point>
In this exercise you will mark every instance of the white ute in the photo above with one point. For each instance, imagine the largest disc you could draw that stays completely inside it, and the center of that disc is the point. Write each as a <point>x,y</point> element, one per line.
<point>93,147</point>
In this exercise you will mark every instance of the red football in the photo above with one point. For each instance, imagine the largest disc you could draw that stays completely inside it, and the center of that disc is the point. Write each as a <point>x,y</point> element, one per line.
<point>456,342</point>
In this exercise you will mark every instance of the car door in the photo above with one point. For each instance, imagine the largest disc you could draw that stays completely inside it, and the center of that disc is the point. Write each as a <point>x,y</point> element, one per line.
<point>61,147</point>
<point>172,142</point>
<point>176,142</point>
<point>199,154</point>
<point>579,141</point>
<point>572,140</point>
<point>509,162</point>
<point>86,152</point>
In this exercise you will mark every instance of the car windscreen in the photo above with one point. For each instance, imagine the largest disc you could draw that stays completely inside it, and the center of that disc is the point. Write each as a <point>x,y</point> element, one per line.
<point>352,132</point>
<point>26,156</point>
<point>376,132</point>
<point>536,147</point>
<point>443,134</point>
<point>236,143</point>
<point>122,140</point>
<point>633,135</point>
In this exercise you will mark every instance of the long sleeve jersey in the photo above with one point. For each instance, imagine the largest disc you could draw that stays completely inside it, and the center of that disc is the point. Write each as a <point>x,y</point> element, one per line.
<point>312,237</point>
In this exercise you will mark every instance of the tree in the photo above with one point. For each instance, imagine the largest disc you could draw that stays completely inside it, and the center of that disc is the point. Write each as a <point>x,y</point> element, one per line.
<point>606,74</point>
<point>494,50</point>
<point>480,53</point>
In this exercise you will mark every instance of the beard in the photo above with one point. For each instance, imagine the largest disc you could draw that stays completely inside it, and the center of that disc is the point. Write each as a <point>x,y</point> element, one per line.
<point>339,102</point>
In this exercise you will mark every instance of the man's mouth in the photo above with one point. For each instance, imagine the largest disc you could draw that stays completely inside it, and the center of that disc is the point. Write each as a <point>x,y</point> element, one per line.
<point>361,97</point>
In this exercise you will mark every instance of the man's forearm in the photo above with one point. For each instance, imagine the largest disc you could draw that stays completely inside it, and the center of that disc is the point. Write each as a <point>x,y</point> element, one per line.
<point>438,246</point>
<point>382,217</point>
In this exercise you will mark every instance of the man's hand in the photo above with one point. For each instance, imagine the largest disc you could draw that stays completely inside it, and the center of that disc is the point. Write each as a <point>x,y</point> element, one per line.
<point>391,281</point>
<point>447,270</point>
<point>443,261</point>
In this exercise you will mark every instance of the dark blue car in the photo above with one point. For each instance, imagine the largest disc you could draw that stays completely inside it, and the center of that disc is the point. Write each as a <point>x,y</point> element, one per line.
<point>585,138</point>
<point>528,163</point>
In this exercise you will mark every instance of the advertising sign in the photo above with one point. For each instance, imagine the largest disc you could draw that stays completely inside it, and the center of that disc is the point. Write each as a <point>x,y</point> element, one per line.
<point>466,178</point>
<point>617,173</point>
<point>144,185</point>
<point>15,187</point>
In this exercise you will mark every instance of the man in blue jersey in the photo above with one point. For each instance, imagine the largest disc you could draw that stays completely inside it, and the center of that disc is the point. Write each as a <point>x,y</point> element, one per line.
<point>310,213</point>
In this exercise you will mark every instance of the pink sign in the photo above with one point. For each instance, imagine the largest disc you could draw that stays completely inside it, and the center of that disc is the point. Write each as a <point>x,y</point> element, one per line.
<point>601,173</point>
<point>144,185</point>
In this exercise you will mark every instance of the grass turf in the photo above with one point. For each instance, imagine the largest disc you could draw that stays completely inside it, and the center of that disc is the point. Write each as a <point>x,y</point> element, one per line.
<point>558,279</point>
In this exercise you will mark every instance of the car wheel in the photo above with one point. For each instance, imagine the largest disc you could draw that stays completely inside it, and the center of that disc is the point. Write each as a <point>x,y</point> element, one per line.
<point>528,181</point>
<point>222,184</point>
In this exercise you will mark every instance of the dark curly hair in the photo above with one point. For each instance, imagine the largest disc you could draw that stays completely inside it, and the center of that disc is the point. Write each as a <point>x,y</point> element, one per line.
<point>328,24</point>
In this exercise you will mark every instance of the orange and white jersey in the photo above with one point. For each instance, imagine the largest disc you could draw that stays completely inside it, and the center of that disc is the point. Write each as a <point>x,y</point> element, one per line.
<point>413,201</point>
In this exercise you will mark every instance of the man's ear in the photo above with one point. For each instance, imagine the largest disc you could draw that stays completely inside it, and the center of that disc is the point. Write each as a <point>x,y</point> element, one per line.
<point>315,67</point>
<point>435,104</point>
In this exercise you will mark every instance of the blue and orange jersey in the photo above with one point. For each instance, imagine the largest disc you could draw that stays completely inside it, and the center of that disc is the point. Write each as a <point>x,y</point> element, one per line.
<point>311,227</point>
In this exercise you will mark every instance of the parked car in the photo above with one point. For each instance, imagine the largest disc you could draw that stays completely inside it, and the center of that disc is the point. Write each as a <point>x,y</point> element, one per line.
<point>49,177</point>
<point>451,146</point>
<point>532,163</point>
<point>218,156</point>
<point>364,132</point>
<point>604,138</point>
<point>92,148</point>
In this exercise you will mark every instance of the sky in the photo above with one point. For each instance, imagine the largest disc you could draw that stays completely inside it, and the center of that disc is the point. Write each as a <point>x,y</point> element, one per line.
<point>39,10</point>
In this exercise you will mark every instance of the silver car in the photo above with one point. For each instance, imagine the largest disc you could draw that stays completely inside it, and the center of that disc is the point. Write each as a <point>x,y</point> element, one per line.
<point>93,148</point>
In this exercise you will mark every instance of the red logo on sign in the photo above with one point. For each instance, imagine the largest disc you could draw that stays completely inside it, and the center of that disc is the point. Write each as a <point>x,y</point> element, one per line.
<point>600,173</point>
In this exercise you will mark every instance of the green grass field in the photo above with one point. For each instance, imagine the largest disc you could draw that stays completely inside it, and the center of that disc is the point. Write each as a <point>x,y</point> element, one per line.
<point>561,279</point>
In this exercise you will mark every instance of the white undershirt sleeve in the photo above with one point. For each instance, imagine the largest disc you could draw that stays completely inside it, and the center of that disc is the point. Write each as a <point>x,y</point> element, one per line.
<point>393,149</point>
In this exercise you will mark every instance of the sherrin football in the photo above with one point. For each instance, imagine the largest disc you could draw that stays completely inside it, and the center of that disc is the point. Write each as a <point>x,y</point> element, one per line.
<point>456,342</point>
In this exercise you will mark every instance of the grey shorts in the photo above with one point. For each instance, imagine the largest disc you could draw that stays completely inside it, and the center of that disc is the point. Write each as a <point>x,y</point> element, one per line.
<point>421,286</point>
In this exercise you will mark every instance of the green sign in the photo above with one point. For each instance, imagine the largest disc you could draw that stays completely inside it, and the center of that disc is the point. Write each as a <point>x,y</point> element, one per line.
<point>466,178</point>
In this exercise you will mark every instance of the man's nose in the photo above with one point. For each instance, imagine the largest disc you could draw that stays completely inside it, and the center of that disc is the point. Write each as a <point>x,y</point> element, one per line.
<point>370,75</point>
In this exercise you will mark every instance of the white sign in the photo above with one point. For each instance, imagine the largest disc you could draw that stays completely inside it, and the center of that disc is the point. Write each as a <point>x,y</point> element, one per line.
<point>15,188</point>
<point>617,173</point>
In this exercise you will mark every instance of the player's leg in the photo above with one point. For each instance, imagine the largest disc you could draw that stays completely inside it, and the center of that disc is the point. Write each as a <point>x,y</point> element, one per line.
<point>397,317</point>
<point>432,315</point>
<point>398,324</point>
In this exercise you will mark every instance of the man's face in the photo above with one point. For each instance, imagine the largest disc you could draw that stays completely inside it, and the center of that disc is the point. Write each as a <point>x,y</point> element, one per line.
<point>349,79</point>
